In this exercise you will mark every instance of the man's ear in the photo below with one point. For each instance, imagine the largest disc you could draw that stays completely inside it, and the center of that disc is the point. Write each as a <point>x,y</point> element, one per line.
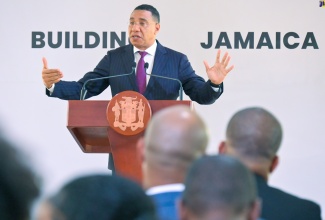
<point>222,147</point>
<point>157,27</point>
<point>140,149</point>
<point>274,163</point>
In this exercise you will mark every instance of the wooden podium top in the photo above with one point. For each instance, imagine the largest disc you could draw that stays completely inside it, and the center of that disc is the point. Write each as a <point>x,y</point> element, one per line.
<point>87,122</point>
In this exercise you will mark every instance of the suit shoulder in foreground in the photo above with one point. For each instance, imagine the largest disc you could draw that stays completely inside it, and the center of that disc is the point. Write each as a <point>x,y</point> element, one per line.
<point>278,205</point>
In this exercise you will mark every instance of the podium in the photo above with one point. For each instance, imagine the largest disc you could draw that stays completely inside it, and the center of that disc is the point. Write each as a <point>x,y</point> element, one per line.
<point>88,124</point>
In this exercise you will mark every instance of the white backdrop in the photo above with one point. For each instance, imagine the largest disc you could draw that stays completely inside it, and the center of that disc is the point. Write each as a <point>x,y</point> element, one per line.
<point>288,82</point>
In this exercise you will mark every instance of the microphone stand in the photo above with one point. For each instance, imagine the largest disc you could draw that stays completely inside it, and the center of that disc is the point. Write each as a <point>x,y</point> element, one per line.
<point>146,65</point>
<point>83,92</point>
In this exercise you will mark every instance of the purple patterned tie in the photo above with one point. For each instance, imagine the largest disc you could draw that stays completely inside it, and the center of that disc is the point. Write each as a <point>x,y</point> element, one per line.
<point>141,73</point>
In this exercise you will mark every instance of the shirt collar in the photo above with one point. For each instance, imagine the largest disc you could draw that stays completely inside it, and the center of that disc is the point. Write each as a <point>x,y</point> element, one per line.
<point>151,50</point>
<point>176,187</point>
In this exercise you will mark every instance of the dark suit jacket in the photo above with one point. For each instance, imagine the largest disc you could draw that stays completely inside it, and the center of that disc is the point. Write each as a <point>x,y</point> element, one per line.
<point>166,205</point>
<point>168,63</point>
<point>279,205</point>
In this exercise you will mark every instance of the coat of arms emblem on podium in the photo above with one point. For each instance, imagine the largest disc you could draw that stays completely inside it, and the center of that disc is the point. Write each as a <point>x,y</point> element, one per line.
<point>129,113</point>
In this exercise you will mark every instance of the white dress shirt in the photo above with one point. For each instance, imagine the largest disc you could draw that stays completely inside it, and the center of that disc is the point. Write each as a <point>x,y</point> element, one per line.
<point>176,187</point>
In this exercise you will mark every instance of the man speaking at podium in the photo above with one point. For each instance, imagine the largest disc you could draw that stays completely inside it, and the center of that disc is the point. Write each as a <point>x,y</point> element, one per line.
<point>159,75</point>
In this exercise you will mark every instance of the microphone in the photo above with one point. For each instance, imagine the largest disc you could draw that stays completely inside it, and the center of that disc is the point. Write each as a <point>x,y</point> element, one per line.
<point>146,65</point>
<point>84,90</point>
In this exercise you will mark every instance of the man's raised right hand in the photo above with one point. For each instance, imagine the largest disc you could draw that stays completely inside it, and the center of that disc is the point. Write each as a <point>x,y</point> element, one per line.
<point>50,76</point>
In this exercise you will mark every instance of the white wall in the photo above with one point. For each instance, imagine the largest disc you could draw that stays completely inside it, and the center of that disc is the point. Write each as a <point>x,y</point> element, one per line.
<point>288,82</point>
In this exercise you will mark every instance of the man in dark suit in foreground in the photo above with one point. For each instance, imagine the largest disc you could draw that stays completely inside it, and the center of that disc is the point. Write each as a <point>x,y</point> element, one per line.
<point>254,136</point>
<point>174,138</point>
<point>98,197</point>
<point>219,188</point>
<point>144,25</point>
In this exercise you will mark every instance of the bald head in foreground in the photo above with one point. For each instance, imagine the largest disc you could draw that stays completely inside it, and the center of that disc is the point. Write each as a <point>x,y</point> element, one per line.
<point>174,138</point>
<point>254,136</point>
<point>219,188</point>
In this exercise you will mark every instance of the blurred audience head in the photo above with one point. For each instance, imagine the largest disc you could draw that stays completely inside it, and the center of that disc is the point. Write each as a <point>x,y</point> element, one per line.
<point>19,186</point>
<point>174,138</point>
<point>98,197</point>
<point>254,136</point>
<point>219,188</point>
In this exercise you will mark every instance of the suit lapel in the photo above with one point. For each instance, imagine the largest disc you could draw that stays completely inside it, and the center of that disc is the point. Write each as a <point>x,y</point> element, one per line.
<point>160,60</point>
<point>159,65</point>
<point>128,60</point>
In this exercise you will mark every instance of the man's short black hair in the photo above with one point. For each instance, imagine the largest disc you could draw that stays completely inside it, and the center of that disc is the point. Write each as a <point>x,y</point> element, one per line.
<point>100,197</point>
<point>254,133</point>
<point>150,8</point>
<point>219,182</point>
